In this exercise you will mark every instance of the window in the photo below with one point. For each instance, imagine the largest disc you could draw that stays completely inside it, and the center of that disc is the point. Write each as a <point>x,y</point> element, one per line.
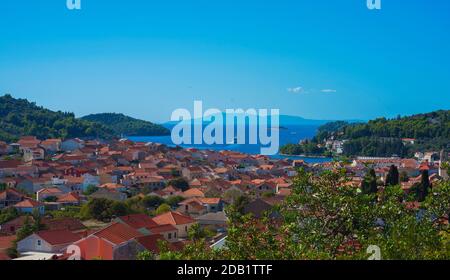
<point>170,236</point>
<point>185,228</point>
<point>39,243</point>
<point>174,235</point>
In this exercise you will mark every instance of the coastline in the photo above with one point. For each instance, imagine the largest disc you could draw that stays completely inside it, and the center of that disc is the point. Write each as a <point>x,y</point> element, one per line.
<point>305,156</point>
<point>245,149</point>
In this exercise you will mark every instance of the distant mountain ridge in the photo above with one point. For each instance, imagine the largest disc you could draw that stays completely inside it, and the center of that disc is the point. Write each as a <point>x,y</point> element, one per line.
<point>128,126</point>
<point>285,120</point>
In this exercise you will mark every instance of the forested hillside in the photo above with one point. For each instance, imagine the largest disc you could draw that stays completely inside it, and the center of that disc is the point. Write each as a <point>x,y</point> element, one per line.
<point>124,125</point>
<point>383,137</point>
<point>19,117</point>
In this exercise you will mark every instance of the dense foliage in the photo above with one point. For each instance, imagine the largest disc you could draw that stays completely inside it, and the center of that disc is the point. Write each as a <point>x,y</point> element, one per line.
<point>375,147</point>
<point>307,148</point>
<point>8,214</point>
<point>324,218</point>
<point>103,209</point>
<point>422,126</point>
<point>383,137</point>
<point>124,125</point>
<point>19,117</point>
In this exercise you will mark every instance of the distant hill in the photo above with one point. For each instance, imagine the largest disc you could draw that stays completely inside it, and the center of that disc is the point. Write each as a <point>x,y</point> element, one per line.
<point>128,126</point>
<point>19,117</point>
<point>285,120</point>
<point>421,126</point>
<point>383,137</point>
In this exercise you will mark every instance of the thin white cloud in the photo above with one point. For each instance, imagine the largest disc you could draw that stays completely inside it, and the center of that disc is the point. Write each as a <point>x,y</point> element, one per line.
<point>295,90</point>
<point>301,90</point>
<point>328,90</point>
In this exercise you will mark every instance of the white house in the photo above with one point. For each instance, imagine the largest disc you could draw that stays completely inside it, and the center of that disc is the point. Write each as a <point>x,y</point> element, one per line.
<point>49,241</point>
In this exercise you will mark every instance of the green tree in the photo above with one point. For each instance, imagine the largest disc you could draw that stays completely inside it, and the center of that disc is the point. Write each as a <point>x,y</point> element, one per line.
<point>232,194</point>
<point>268,194</point>
<point>369,183</point>
<point>197,232</point>
<point>26,230</point>
<point>152,201</point>
<point>179,183</point>
<point>404,177</point>
<point>118,209</point>
<point>51,199</point>
<point>90,190</point>
<point>103,209</point>
<point>37,225</point>
<point>238,205</point>
<point>8,214</point>
<point>173,201</point>
<point>163,208</point>
<point>438,202</point>
<point>325,218</point>
<point>145,256</point>
<point>393,176</point>
<point>423,188</point>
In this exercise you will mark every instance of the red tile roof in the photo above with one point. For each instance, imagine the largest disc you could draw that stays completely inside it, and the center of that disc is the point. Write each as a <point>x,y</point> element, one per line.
<point>9,164</point>
<point>6,242</point>
<point>4,257</point>
<point>112,186</point>
<point>50,191</point>
<point>194,192</point>
<point>69,198</point>
<point>150,242</point>
<point>71,224</point>
<point>208,200</point>
<point>58,237</point>
<point>10,192</point>
<point>163,228</point>
<point>28,203</point>
<point>118,233</point>
<point>173,218</point>
<point>138,221</point>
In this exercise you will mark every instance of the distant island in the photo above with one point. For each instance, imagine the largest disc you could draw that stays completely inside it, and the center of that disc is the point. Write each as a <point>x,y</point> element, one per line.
<point>124,125</point>
<point>20,117</point>
<point>401,136</point>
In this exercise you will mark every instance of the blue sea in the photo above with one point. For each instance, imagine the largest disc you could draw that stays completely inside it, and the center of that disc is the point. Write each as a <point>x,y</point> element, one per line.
<point>288,134</point>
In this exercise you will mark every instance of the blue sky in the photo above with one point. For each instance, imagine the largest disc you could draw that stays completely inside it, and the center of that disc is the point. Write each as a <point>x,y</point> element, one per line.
<point>146,58</point>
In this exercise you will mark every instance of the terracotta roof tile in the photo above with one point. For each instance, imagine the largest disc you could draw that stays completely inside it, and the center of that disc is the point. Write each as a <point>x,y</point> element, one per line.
<point>58,237</point>
<point>150,242</point>
<point>69,198</point>
<point>71,224</point>
<point>173,218</point>
<point>138,221</point>
<point>163,228</point>
<point>6,242</point>
<point>28,203</point>
<point>118,233</point>
<point>194,192</point>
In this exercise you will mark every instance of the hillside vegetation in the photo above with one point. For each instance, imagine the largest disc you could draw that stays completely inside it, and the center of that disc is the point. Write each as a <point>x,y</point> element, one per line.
<point>383,137</point>
<point>124,125</point>
<point>19,117</point>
